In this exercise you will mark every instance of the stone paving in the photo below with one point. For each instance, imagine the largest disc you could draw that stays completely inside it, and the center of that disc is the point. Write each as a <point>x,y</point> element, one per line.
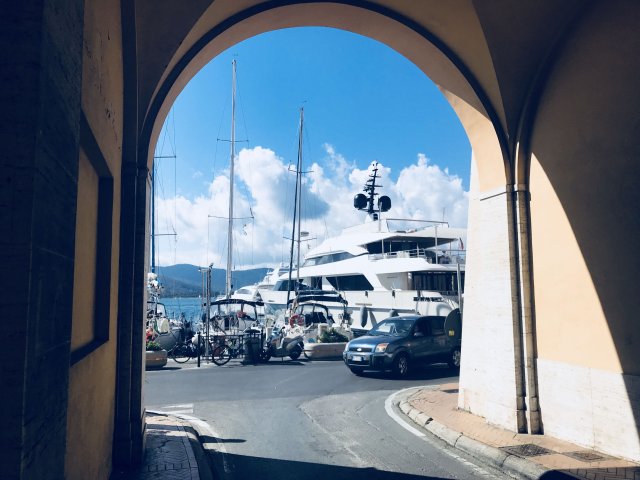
<point>531,456</point>
<point>168,451</point>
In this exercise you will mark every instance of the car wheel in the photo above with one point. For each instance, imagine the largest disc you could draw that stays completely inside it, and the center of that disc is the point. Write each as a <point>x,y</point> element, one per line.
<point>454,358</point>
<point>356,370</point>
<point>401,365</point>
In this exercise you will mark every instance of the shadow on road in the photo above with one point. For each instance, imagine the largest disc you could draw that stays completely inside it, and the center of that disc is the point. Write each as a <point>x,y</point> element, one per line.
<point>427,372</point>
<point>243,466</point>
<point>210,439</point>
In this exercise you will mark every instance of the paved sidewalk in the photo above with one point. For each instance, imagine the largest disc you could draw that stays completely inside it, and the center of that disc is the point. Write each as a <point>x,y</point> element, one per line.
<point>172,452</point>
<point>528,456</point>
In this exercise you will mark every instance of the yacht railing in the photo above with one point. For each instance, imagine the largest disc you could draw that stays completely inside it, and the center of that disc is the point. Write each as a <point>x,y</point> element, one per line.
<point>443,256</point>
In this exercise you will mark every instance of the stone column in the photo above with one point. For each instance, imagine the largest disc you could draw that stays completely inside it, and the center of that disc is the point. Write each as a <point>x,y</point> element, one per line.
<point>129,426</point>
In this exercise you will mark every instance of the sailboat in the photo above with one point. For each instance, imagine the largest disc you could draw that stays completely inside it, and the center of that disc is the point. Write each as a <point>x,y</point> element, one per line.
<point>160,327</point>
<point>296,216</point>
<point>281,294</point>
<point>232,314</point>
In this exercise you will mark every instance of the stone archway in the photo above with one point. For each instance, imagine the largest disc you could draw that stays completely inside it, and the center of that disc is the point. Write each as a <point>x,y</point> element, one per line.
<point>501,96</point>
<point>473,99</point>
<point>547,92</point>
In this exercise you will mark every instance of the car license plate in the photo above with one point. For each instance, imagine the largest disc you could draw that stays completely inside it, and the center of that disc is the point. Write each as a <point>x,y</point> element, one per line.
<point>357,358</point>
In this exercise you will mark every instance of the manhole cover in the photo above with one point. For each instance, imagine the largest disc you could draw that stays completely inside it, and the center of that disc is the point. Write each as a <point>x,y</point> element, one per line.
<point>453,390</point>
<point>585,456</point>
<point>527,450</point>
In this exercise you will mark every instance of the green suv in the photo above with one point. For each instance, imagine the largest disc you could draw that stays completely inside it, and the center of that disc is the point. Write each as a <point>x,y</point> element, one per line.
<point>399,342</point>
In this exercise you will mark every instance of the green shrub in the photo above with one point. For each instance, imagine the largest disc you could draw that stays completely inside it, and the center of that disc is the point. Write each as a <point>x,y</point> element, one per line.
<point>153,346</point>
<point>332,336</point>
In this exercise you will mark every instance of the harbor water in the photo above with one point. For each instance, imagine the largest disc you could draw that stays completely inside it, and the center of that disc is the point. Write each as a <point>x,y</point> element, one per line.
<point>190,307</point>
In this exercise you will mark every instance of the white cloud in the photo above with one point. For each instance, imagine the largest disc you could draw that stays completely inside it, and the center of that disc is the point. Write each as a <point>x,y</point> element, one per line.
<point>265,187</point>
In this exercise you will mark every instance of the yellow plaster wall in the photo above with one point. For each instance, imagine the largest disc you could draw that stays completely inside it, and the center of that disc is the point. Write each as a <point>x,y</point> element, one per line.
<point>585,225</point>
<point>90,416</point>
<point>570,324</point>
<point>92,381</point>
<point>82,330</point>
<point>487,155</point>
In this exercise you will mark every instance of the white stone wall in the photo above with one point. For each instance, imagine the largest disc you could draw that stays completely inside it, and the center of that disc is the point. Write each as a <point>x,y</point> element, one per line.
<point>590,407</point>
<point>487,373</point>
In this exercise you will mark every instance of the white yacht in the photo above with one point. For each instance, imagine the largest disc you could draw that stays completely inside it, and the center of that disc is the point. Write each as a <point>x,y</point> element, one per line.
<point>252,292</point>
<point>382,270</point>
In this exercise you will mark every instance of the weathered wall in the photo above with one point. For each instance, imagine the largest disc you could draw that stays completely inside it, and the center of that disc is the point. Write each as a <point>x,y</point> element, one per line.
<point>40,86</point>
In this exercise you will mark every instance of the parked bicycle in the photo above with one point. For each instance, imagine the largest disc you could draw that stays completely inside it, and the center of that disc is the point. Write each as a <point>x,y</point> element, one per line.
<point>185,350</point>
<point>244,345</point>
<point>189,346</point>
<point>233,347</point>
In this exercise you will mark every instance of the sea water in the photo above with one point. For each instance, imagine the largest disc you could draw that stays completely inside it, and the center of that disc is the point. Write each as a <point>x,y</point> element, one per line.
<point>190,307</point>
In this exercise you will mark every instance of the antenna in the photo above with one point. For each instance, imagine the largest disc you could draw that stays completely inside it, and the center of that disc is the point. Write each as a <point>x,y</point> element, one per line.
<point>367,202</point>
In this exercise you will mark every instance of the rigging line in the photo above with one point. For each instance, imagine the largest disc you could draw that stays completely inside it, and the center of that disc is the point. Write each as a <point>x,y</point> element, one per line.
<point>244,121</point>
<point>215,154</point>
<point>241,103</point>
<point>213,177</point>
<point>284,214</point>
<point>160,144</point>
<point>305,206</point>
<point>295,139</point>
<point>227,218</point>
<point>173,125</point>
<point>175,178</point>
<point>207,250</point>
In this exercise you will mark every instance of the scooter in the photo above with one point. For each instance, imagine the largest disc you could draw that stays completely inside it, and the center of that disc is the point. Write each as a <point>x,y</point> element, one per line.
<point>280,345</point>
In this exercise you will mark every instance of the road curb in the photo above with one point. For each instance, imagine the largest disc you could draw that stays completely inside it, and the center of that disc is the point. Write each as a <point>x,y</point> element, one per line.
<point>485,453</point>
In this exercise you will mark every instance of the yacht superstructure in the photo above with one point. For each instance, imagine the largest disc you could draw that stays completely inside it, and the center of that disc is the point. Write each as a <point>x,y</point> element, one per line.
<point>384,264</point>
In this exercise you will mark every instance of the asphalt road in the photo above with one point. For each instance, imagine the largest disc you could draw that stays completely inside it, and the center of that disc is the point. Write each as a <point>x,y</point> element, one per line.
<point>307,420</point>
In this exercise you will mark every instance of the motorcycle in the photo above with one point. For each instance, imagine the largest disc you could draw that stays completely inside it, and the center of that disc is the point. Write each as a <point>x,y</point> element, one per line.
<point>282,343</point>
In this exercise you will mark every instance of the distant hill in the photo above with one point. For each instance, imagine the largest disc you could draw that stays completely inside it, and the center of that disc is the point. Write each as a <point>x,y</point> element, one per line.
<point>185,280</point>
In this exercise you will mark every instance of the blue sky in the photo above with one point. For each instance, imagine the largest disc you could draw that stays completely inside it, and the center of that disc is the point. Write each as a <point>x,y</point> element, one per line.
<point>362,102</point>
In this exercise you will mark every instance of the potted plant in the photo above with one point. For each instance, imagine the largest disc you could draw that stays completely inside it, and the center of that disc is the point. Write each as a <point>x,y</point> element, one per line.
<point>155,356</point>
<point>332,336</point>
<point>330,344</point>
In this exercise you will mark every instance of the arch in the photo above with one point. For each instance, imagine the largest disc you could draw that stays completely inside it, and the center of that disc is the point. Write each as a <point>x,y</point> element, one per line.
<point>547,93</point>
<point>437,42</point>
<point>466,78</point>
<point>424,48</point>
<point>504,121</point>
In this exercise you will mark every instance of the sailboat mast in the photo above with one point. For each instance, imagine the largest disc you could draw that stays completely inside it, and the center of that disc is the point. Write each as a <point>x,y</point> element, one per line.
<point>153,218</point>
<point>231,180</point>
<point>299,200</point>
<point>296,213</point>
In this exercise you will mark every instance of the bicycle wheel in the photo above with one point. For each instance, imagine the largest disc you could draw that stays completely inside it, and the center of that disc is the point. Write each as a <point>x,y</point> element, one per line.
<point>182,352</point>
<point>221,355</point>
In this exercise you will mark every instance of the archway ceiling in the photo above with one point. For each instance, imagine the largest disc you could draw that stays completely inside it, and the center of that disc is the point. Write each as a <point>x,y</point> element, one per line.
<point>493,50</point>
